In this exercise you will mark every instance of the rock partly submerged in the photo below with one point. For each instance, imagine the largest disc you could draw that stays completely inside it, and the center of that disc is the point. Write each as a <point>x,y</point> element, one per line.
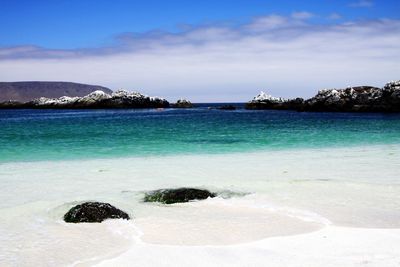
<point>178,195</point>
<point>182,103</point>
<point>266,101</point>
<point>94,212</point>
<point>351,99</point>
<point>96,99</point>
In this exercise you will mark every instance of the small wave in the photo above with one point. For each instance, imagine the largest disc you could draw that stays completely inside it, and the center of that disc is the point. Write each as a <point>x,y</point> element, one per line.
<point>214,141</point>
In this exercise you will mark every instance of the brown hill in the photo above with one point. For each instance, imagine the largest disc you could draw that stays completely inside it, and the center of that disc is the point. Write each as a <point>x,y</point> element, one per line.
<point>26,91</point>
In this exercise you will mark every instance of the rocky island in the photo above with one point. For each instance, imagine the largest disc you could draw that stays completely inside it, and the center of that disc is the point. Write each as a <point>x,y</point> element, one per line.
<point>182,103</point>
<point>351,99</point>
<point>266,101</point>
<point>96,99</point>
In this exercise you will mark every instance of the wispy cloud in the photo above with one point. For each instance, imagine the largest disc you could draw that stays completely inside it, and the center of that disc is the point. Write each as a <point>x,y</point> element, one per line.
<point>288,56</point>
<point>334,16</point>
<point>362,3</point>
<point>302,15</point>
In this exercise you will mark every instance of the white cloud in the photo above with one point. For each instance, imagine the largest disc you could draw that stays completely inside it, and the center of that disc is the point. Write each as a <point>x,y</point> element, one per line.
<point>302,15</point>
<point>267,23</point>
<point>282,55</point>
<point>362,3</point>
<point>334,16</point>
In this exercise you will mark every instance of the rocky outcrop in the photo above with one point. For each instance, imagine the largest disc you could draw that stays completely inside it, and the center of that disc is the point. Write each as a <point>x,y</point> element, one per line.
<point>391,95</point>
<point>179,195</point>
<point>362,98</point>
<point>183,103</point>
<point>266,101</point>
<point>357,99</point>
<point>93,212</point>
<point>96,99</point>
<point>351,99</point>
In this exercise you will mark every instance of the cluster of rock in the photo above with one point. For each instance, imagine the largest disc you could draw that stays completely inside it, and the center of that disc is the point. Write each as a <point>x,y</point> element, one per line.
<point>183,103</point>
<point>351,99</point>
<point>96,99</point>
<point>96,212</point>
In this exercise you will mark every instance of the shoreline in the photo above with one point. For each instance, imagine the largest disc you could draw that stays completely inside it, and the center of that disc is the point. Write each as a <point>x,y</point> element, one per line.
<point>253,151</point>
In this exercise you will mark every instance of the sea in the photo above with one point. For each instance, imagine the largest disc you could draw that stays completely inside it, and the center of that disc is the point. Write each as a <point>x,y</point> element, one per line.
<point>329,182</point>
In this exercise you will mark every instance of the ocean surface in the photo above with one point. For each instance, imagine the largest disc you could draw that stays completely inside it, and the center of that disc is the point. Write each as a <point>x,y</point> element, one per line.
<point>294,189</point>
<point>32,135</point>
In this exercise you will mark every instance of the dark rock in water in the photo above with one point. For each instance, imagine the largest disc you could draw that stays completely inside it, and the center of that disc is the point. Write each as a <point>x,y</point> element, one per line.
<point>227,107</point>
<point>357,99</point>
<point>265,101</point>
<point>351,99</point>
<point>182,103</point>
<point>179,195</point>
<point>92,212</point>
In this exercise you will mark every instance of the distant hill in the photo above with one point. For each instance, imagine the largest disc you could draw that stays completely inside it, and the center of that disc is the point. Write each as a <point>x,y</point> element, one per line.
<point>26,91</point>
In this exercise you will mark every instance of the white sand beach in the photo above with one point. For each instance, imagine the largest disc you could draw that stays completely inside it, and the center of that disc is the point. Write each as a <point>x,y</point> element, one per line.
<point>331,246</point>
<point>309,207</point>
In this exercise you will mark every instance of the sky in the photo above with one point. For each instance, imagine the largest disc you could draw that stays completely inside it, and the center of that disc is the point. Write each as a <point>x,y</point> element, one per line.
<point>206,51</point>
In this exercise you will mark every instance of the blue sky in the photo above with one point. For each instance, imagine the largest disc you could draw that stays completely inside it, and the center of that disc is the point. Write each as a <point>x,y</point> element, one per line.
<point>77,23</point>
<point>204,50</point>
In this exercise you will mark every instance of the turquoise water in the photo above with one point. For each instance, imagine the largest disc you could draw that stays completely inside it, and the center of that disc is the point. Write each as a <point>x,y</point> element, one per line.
<point>32,135</point>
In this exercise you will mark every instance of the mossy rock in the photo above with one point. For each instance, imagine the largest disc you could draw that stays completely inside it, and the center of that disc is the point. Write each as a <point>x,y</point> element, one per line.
<point>93,212</point>
<point>179,195</point>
